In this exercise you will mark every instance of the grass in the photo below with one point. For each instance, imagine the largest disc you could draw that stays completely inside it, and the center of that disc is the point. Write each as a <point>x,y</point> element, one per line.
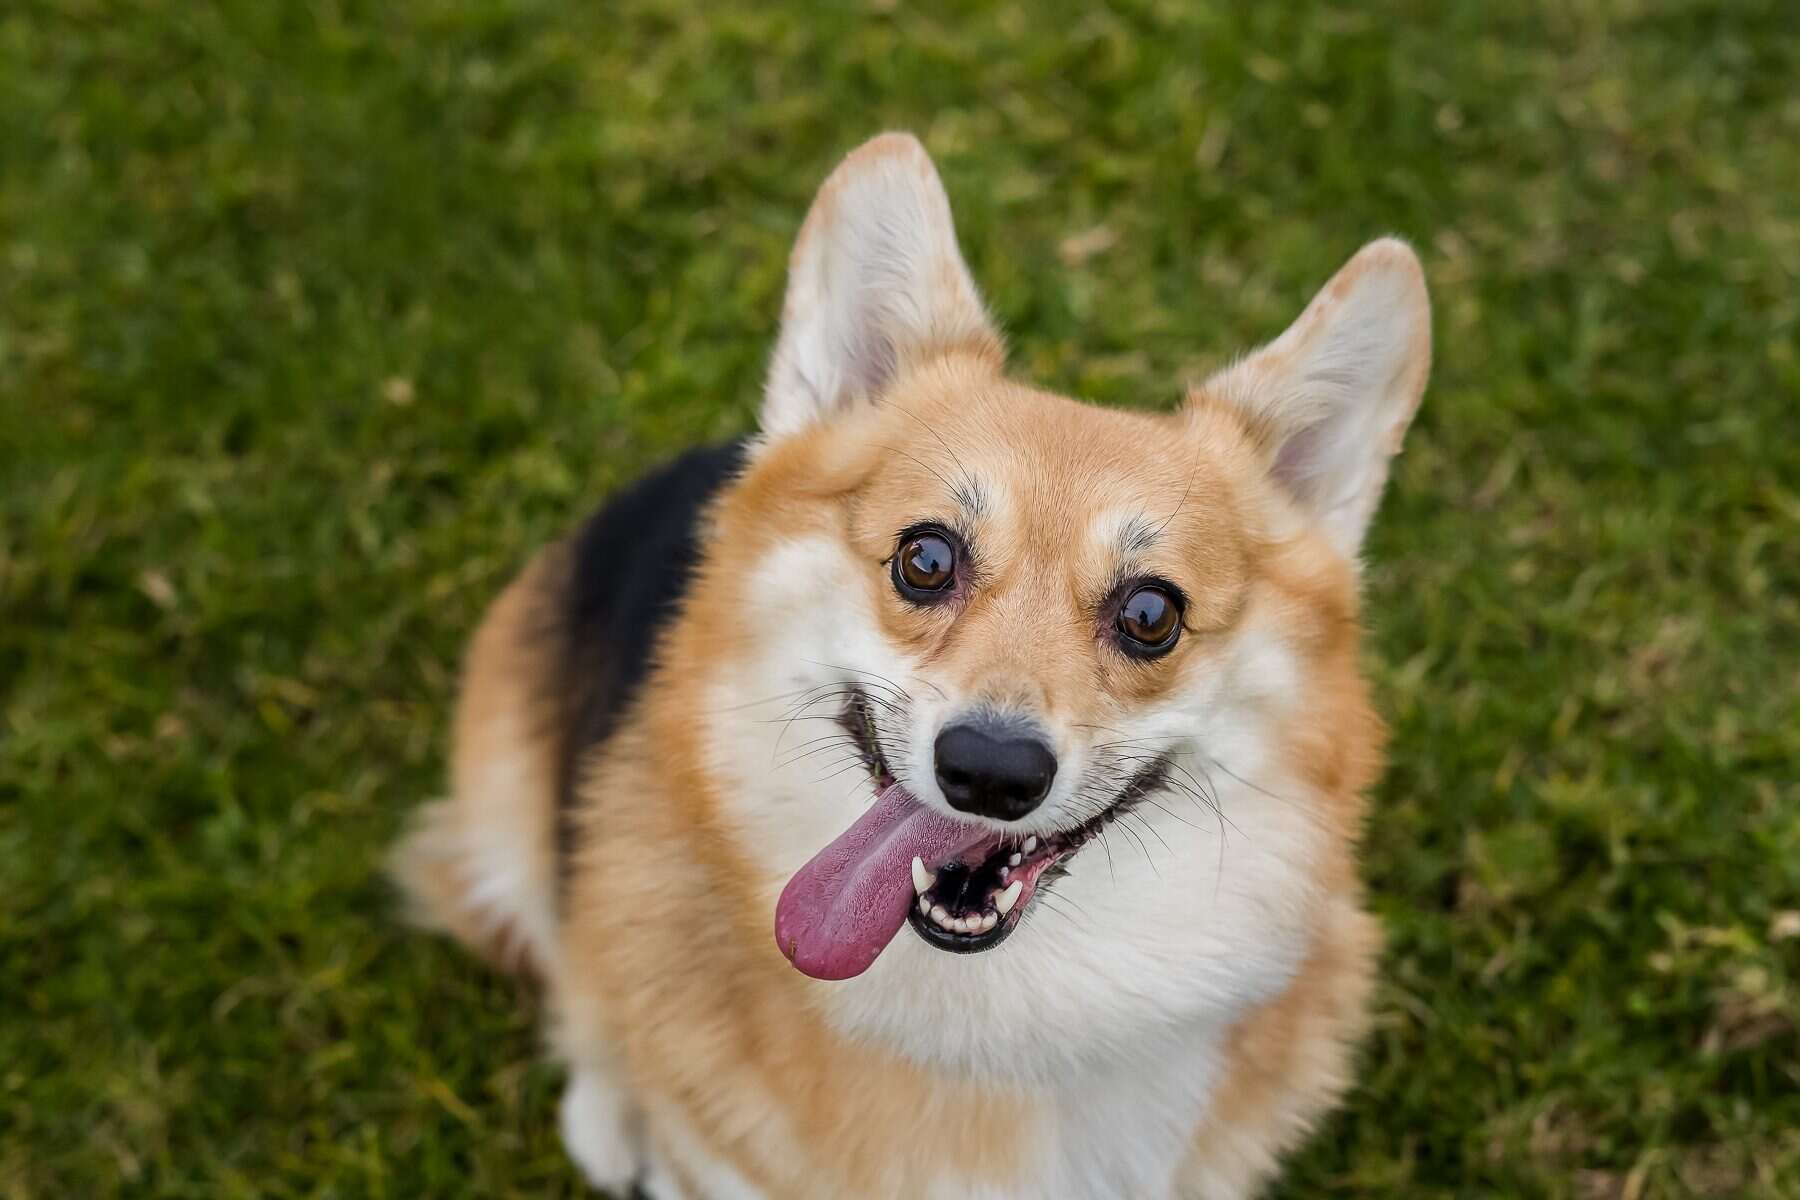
<point>314,318</point>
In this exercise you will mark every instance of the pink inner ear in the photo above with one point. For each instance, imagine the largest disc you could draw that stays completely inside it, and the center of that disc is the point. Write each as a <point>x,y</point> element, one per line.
<point>875,282</point>
<point>1297,462</point>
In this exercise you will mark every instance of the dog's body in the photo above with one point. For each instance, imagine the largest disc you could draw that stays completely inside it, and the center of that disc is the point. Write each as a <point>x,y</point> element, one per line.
<point>1145,626</point>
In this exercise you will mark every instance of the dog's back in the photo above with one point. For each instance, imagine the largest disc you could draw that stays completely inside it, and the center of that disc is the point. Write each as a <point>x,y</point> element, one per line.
<point>549,675</point>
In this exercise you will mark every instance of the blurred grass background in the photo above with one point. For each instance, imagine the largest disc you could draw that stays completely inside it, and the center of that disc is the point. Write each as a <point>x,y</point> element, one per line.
<point>316,317</point>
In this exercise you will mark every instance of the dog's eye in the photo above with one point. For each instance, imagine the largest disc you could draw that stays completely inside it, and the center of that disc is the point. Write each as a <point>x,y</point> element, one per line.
<point>925,566</point>
<point>1149,621</point>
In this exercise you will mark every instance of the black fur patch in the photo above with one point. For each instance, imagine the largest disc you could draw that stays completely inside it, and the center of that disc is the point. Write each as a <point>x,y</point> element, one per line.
<point>629,568</point>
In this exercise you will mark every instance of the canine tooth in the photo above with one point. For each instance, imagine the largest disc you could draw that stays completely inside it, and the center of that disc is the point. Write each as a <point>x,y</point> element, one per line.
<point>1015,860</point>
<point>1031,843</point>
<point>989,921</point>
<point>1005,900</point>
<point>922,879</point>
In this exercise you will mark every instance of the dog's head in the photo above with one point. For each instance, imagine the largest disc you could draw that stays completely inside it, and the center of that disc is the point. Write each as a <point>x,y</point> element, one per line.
<point>1021,672</point>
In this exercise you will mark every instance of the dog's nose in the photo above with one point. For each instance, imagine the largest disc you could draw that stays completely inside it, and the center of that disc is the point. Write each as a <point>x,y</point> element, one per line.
<point>992,771</point>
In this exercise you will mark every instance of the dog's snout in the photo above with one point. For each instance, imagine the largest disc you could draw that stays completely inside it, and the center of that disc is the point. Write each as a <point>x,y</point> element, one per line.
<point>993,771</point>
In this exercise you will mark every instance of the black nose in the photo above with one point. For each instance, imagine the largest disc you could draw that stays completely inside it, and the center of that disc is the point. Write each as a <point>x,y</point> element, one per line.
<point>992,771</point>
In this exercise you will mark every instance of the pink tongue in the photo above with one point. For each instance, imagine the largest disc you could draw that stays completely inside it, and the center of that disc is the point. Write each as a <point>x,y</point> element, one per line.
<point>842,909</point>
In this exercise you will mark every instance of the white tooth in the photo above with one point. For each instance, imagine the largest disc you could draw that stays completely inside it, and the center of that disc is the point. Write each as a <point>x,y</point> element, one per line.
<point>922,879</point>
<point>925,905</point>
<point>939,915</point>
<point>989,921</point>
<point>1004,872</point>
<point>1031,844</point>
<point>1015,860</point>
<point>1005,900</point>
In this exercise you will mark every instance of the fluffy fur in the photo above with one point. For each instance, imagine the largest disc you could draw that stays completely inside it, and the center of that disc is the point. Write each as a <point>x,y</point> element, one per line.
<point>1184,1005</point>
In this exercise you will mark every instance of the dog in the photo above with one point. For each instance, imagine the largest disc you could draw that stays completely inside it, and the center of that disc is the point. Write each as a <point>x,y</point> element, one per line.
<point>952,789</point>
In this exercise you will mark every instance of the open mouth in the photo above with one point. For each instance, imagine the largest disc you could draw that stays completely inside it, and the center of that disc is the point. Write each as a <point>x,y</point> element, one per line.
<point>962,887</point>
<point>964,908</point>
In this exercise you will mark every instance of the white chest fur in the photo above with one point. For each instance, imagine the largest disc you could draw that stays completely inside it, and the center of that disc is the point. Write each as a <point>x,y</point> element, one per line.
<point>1120,1129</point>
<point>1124,1129</point>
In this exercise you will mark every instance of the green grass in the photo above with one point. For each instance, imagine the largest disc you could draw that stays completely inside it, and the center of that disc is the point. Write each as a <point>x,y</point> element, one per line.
<point>315,318</point>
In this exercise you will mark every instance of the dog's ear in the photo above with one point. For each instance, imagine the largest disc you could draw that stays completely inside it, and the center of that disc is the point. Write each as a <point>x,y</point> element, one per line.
<point>875,285</point>
<point>1330,399</point>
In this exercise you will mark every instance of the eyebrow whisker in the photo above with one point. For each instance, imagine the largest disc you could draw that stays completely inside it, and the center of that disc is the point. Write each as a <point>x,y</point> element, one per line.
<point>1193,473</point>
<point>969,493</point>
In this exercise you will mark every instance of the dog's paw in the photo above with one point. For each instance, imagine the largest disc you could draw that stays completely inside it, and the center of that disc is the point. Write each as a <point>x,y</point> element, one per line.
<point>596,1132</point>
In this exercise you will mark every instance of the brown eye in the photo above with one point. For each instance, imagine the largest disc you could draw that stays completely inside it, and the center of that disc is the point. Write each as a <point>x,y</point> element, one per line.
<point>1150,620</point>
<point>924,566</point>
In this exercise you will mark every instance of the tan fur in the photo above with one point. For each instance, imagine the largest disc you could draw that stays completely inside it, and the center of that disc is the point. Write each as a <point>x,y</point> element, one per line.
<point>708,1017</point>
<point>665,968</point>
<point>705,1014</point>
<point>503,773</point>
<point>1039,567</point>
<point>1289,1061</point>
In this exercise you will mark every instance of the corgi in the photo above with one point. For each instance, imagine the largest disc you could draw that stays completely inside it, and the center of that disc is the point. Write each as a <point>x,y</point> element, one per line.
<point>952,789</point>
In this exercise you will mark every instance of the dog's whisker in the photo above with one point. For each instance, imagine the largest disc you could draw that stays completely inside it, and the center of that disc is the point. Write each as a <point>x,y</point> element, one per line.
<point>1255,787</point>
<point>794,760</point>
<point>1130,833</point>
